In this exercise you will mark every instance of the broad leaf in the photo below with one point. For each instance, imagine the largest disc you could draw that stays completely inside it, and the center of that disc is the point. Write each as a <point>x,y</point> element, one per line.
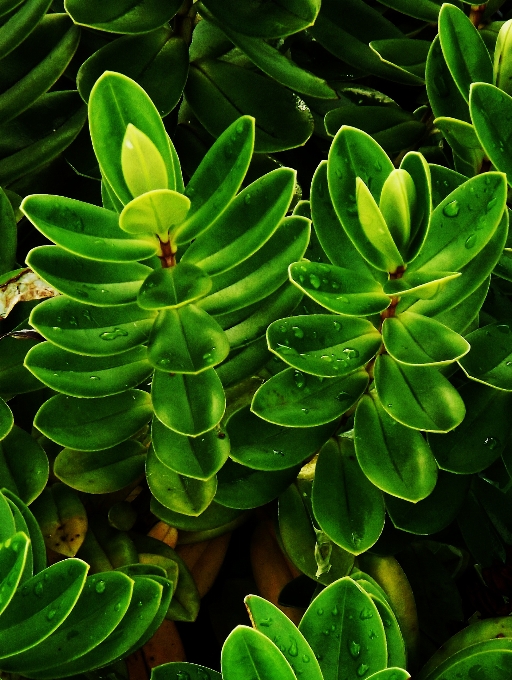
<point>157,211</point>
<point>173,287</point>
<point>124,16</point>
<point>490,358</point>
<point>13,555</point>
<point>443,94</point>
<point>23,465</point>
<point>249,654</point>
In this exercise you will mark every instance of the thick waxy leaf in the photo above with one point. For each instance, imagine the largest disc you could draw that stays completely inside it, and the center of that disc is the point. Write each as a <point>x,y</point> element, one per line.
<point>37,549</point>
<point>295,399</point>
<point>324,345</point>
<point>215,517</point>
<point>85,229</point>
<point>12,356</point>
<point>409,55</point>
<point>188,404</point>
<point>332,236</point>
<point>218,177</point>
<point>93,331</point>
<point>13,555</point>
<point>97,283</point>
<point>99,598</point>
<point>244,362</point>
<point>8,526</point>
<point>417,340</point>
<point>426,10</point>
<point>482,436</point>
<point>338,290</point>
<point>176,669</point>
<point>62,518</point>
<point>390,673</point>
<point>443,94</point>
<point>359,647</point>
<point>94,424</point>
<point>395,458</point>
<point>124,16</point>
<point>20,24</point>
<point>25,622</point>
<point>116,101</point>
<point>276,626</point>
<point>143,167</point>
<point>264,19</point>
<point>417,396</point>
<point>249,654</point>
<point>156,212</point>
<point>9,234</point>
<point>82,376</point>
<point>173,286</point>
<point>145,58</point>
<point>244,488</point>
<point>182,494</point>
<point>490,358</point>
<point>462,224</point>
<point>6,419</point>
<point>246,224</point>
<point>347,506</point>
<point>186,340</point>
<point>23,465</point>
<point>433,513</point>
<point>219,93</point>
<point>258,444</point>
<point>197,457</point>
<point>261,274</point>
<point>102,471</point>
<point>464,49</point>
<point>422,285</point>
<point>420,209</point>
<point>492,130</point>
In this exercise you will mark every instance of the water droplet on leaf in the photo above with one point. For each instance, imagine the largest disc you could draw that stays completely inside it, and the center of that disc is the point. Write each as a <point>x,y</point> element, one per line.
<point>100,587</point>
<point>315,281</point>
<point>451,209</point>
<point>355,649</point>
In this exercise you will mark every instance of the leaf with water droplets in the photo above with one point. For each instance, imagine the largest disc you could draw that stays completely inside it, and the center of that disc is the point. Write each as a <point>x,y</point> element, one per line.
<point>392,673</point>
<point>247,653</point>
<point>181,670</point>
<point>13,557</point>
<point>490,358</point>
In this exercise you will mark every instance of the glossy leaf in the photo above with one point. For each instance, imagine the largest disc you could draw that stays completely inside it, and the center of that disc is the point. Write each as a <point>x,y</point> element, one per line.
<point>90,330</point>
<point>244,488</point>
<point>215,517</point>
<point>37,546</point>
<point>361,647</point>
<point>417,340</point>
<point>250,654</point>
<point>409,55</point>
<point>102,471</point>
<point>324,345</point>
<point>419,285</point>
<point>97,283</point>
<point>188,404</point>
<point>489,360</point>
<point>173,287</point>
<point>85,229</point>
<point>6,419</point>
<point>395,458</point>
<point>175,669</point>
<point>20,24</point>
<point>90,425</point>
<point>347,506</point>
<point>338,290</point>
<point>417,396</point>
<point>492,130</point>
<point>123,17</point>
<point>464,50</point>
<point>390,674</point>
<point>13,555</point>
<point>295,399</point>
<point>443,94</point>
<point>197,457</point>
<point>156,212</point>
<point>23,465</point>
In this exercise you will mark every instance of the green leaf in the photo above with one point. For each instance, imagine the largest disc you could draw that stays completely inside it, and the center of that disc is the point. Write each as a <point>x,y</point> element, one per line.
<point>419,285</point>
<point>481,438</point>
<point>426,10</point>
<point>269,620</point>
<point>173,287</point>
<point>417,340</point>
<point>395,458</point>
<point>264,19</point>
<point>443,94</point>
<point>123,16</point>
<point>489,360</point>
<point>490,107</point>
<point>142,164</point>
<point>461,136</point>
<point>338,290</point>
<point>219,93</point>
<point>102,471</point>
<point>97,283</point>
<point>244,488</point>
<point>94,424</point>
<point>23,465</point>
<point>185,495</point>
<point>25,622</point>
<point>249,654</point>
<point>156,212</point>
<point>345,608</point>
<point>116,101</point>
<point>197,457</point>
<point>218,177</point>
<point>9,235</point>
<point>417,167</point>
<point>323,344</point>
<point>397,201</point>
<point>263,273</point>
<point>176,669</point>
<point>347,506</point>
<point>462,224</point>
<point>89,330</point>
<point>146,59</point>
<point>37,546</point>
<point>479,533</point>
<point>295,399</point>
<point>8,526</point>
<point>215,519</point>
<point>20,24</point>
<point>188,404</point>
<point>493,657</point>
<point>85,229</point>
<point>6,419</point>
<point>417,396</point>
<point>409,55</point>
<point>433,513</point>
<point>82,376</point>
<point>246,224</point>
<point>390,673</point>
<point>12,356</point>
<point>13,556</point>
<point>260,445</point>
<point>501,69</point>
<point>465,52</point>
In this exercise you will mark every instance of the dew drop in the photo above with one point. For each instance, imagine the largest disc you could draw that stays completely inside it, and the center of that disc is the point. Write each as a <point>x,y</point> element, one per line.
<point>342,396</point>
<point>247,199</point>
<point>278,452</point>
<point>351,353</point>
<point>314,280</point>
<point>305,410</point>
<point>208,357</point>
<point>117,606</point>
<point>299,379</point>
<point>266,622</point>
<point>112,335</point>
<point>451,209</point>
<point>182,675</point>
<point>100,587</point>
<point>372,635</point>
<point>491,204</point>
<point>366,614</point>
<point>293,649</point>
<point>377,165</point>
<point>326,358</point>
<point>362,670</point>
<point>503,328</point>
<point>164,362</point>
<point>470,241</point>
<point>298,332</point>
<point>327,632</point>
<point>491,443</point>
<point>305,658</point>
<point>51,614</point>
<point>202,674</point>
<point>320,612</point>
<point>38,589</point>
<point>94,377</point>
<point>355,649</point>
<point>337,326</point>
<point>335,611</point>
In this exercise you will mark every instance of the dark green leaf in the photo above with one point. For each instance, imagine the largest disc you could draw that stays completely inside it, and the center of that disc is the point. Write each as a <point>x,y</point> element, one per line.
<point>23,465</point>
<point>443,94</point>
<point>13,555</point>
<point>245,488</point>
<point>123,16</point>
<point>176,669</point>
<point>6,419</point>
<point>249,654</point>
<point>490,360</point>
<point>20,24</point>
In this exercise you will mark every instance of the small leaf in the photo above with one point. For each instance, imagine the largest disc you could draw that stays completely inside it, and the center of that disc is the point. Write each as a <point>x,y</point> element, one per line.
<point>249,654</point>
<point>23,465</point>
<point>62,518</point>
<point>158,211</point>
<point>173,287</point>
<point>490,358</point>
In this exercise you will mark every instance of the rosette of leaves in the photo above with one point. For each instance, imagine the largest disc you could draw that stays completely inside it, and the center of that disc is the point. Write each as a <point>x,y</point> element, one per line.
<point>165,286</point>
<point>400,282</point>
<point>58,622</point>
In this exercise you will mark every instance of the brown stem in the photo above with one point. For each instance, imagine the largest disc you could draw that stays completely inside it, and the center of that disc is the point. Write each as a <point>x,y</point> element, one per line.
<point>475,15</point>
<point>167,255</point>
